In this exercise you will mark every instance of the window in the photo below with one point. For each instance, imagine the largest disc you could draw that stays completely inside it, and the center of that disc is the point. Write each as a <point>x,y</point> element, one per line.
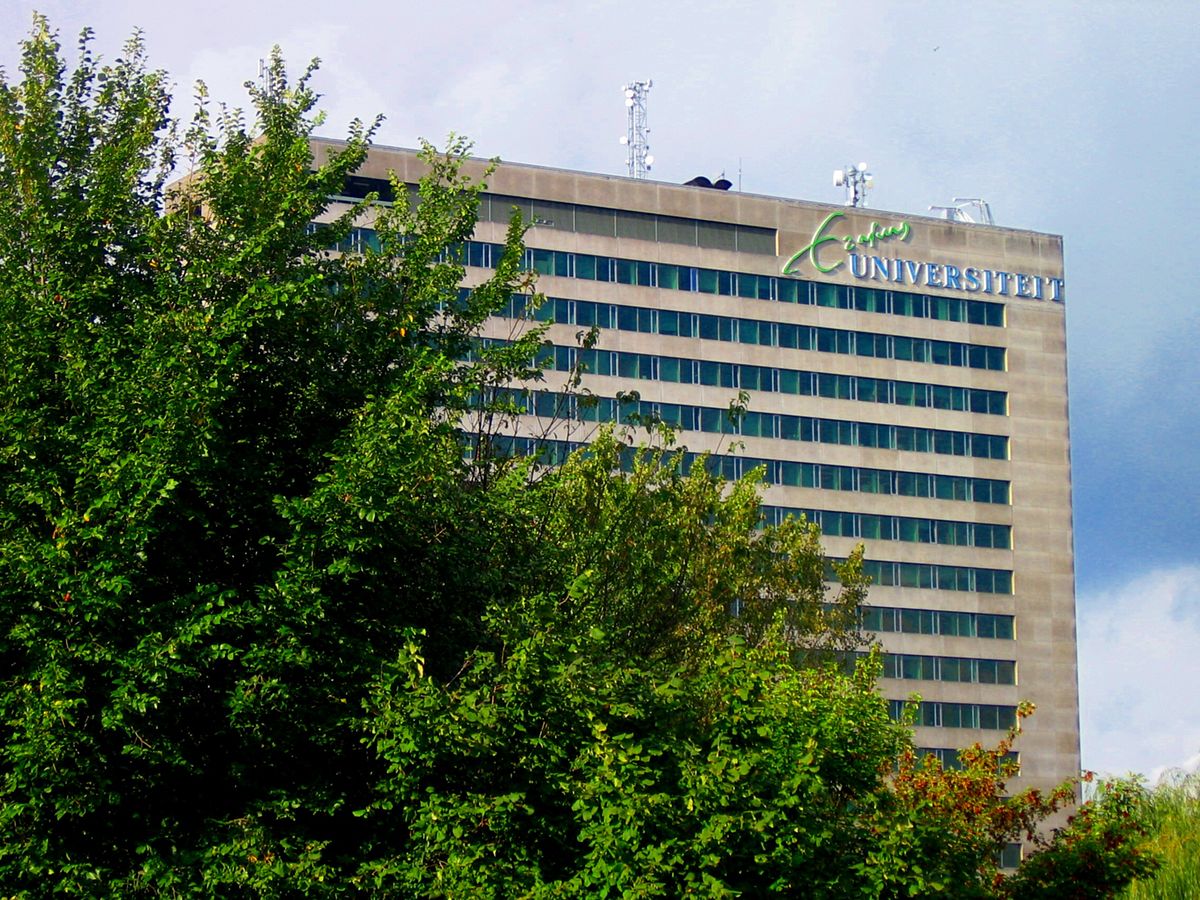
<point>641,226</point>
<point>871,300</point>
<point>502,208</point>
<point>716,235</point>
<point>752,239</point>
<point>672,230</point>
<point>793,291</point>
<point>933,714</point>
<point>1010,856</point>
<point>950,624</point>
<point>671,277</point>
<point>914,305</point>
<point>871,390</point>
<point>769,333</point>
<point>595,220</point>
<point>833,295</point>
<point>964,670</point>
<point>560,216</point>
<point>832,431</point>
<point>840,387</point>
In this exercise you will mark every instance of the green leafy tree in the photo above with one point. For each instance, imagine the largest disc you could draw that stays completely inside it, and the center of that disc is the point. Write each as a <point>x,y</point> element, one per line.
<point>556,768</point>
<point>1100,851</point>
<point>1170,812</point>
<point>181,377</point>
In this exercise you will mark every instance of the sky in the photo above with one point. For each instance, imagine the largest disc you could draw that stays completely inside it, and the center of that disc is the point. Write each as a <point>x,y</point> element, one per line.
<point>1076,118</point>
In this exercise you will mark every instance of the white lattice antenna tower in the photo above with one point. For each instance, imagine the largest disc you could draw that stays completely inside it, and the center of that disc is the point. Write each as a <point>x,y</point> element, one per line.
<point>636,138</point>
<point>856,180</point>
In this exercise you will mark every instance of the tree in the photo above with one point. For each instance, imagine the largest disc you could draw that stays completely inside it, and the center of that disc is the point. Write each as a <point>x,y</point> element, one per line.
<point>1096,854</point>
<point>1170,812</point>
<point>266,628</point>
<point>180,376</point>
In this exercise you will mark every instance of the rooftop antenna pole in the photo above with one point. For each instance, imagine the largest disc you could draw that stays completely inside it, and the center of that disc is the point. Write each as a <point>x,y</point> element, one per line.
<point>983,211</point>
<point>856,180</point>
<point>637,155</point>
<point>975,210</point>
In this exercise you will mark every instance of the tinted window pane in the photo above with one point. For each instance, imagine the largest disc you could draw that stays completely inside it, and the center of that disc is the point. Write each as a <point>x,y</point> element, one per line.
<point>636,225</point>
<point>677,231</point>
<point>594,220</point>
<point>755,240</point>
<point>560,216</point>
<point>716,235</point>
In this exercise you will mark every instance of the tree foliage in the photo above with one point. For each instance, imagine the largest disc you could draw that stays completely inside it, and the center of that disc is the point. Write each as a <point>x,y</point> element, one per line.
<point>267,629</point>
<point>1097,853</point>
<point>1170,813</point>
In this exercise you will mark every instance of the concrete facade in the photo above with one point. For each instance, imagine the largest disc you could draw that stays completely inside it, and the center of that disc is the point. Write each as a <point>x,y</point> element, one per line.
<point>1036,464</point>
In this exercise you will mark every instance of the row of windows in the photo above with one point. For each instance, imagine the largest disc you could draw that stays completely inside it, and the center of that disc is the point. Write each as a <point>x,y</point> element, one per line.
<point>827,477</point>
<point>931,621</point>
<point>606,222</point>
<point>910,529</point>
<point>869,526</point>
<point>948,757</point>
<point>940,578</point>
<point>680,370</point>
<point>567,264</point>
<point>949,668</point>
<point>939,714</point>
<point>759,332</point>
<point>716,420</point>
<point>599,220</point>
<point>881,572</point>
<point>823,476</point>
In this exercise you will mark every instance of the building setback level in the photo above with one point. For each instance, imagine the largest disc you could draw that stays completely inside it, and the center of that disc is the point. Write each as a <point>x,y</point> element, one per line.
<point>907,390</point>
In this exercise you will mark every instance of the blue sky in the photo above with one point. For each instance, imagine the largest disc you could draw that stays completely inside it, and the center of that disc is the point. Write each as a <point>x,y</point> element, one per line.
<point>1078,118</point>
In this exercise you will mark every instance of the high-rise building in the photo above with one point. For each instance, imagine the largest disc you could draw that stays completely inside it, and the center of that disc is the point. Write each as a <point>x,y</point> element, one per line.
<point>906,388</point>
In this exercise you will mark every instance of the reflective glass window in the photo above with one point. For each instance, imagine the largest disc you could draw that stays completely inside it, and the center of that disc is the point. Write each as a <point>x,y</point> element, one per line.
<point>668,322</point>
<point>833,295</point>
<point>789,290</point>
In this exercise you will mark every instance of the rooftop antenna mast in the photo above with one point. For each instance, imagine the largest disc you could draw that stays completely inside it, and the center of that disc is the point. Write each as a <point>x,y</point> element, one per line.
<point>856,180</point>
<point>975,210</point>
<point>982,211</point>
<point>637,153</point>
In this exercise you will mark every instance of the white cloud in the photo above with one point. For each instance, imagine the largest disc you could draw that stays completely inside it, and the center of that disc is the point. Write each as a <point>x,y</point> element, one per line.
<point>1139,673</point>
